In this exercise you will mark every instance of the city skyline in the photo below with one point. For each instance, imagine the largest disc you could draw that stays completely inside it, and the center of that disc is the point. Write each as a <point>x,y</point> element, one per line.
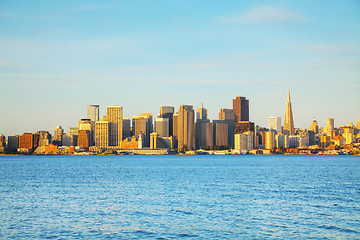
<point>58,57</point>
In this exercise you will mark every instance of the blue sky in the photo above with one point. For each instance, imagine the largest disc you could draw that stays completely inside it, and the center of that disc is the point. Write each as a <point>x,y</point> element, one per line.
<point>58,56</point>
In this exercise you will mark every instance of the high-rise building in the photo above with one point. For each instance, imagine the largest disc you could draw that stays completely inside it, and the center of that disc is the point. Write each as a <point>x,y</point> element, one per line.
<point>186,128</point>
<point>126,128</point>
<point>204,134</point>
<point>115,118</point>
<point>241,109</point>
<point>93,113</point>
<point>314,127</point>
<point>175,124</point>
<point>84,139</point>
<point>58,132</point>
<point>13,143</point>
<point>162,127</point>
<point>275,124</point>
<point>220,133</point>
<point>330,127</point>
<point>358,125</point>
<point>201,113</point>
<point>289,128</point>
<point>269,140</point>
<point>102,134</point>
<point>227,116</point>
<point>168,112</point>
<point>143,124</point>
<point>244,141</point>
<point>44,138</point>
<point>281,140</point>
<point>28,140</point>
<point>87,124</point>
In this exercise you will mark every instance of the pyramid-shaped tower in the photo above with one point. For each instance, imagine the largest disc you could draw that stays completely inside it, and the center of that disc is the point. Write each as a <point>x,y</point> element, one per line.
<point>289,128</point>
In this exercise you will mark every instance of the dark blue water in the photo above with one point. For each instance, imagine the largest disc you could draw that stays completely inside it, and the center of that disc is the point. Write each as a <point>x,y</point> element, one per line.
<point>167,197</point>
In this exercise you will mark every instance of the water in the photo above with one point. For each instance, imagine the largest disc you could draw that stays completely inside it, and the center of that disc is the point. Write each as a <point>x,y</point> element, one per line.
<point>171,197</point>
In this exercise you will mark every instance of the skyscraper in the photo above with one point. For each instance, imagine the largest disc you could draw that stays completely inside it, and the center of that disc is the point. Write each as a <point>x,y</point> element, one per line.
<point>330,127</point>
<point>93,113</point>
<point>201,113</point>
<point>241,109</point>
<point>186,128</point>
<point>102,134</point>
<point>275,123</point>
<point>114,117</point>
<point>143,124</point>
<point>162,127</point>
<point>289,128</point>
<point>168,112</point>
<point>228,116</point>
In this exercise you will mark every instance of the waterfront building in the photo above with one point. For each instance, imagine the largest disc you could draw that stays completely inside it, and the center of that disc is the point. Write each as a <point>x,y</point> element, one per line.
<point>84,139</point>
<point>162,126</point>
<point>270,140</point>
<point>175,124</point>
<point>130,143</point>
<point>244,141</point>
<point>156,141</point>
<point>93,113</point>
<point>87,124</point>
<point>168,112</point>
<point>241,109</point>
<point>275,124</point>
<point>204,134</point>
<point>186,128</point>
<point>28,141</point>
<point>282,141</point>
<point>44,138</point>
<point>115,118</point>
<point>13,143</point>
<point>330,127</point>
<point>220,133</point>
<point>227,116</point>
<point>143,124</point>
<point>102,133</point>
<point>289,128</point>
<point>126,128</point>
<point>314,127</point>
<point>58,132</point>
<point>294,141</point>
<point>201,113</point>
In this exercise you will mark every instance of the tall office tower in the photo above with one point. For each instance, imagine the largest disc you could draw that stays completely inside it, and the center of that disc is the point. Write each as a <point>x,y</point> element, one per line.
<point>143,124</point>
<point>13,143</point>
<point>269,139</point>
<point>201,113</point>
<point>44,138</point>
<point>84,139</point>
<point>275,124</point>
<point>330,127</point>
<point>162,127</point>
<point>93,112</point>
<point>126,128</point>
<point>168,112</point>
<point>175,124</point>
<point>28,140</point>
<point>186,128</point>
<point>204,134</point>
<point>87,124</point>
<point>58,131</point>
<point>102,134</point>
<point>241,109</point>
<point>314,127</point>
<point>220,133</point>
<point>289,128</point>
<point>228,116</point>
<point>244,141</point>
<point>115,118</point>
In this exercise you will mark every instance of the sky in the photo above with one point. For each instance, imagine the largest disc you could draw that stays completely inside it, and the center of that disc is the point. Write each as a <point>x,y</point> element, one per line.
<point>56,57</point>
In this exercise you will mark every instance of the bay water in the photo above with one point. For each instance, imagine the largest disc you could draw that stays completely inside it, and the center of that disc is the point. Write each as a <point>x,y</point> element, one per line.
<point>180,197</point>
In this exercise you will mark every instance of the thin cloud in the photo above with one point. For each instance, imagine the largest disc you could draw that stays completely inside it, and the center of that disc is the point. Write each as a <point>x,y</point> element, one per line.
<point>265,14</point>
